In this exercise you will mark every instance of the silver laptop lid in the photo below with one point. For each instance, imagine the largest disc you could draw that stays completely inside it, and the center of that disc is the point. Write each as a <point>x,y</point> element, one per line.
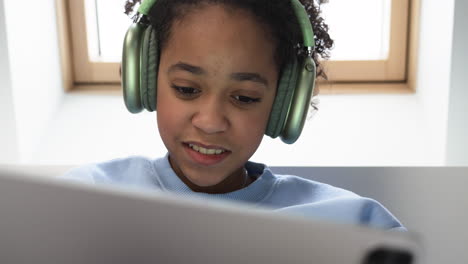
<point>52,221</point>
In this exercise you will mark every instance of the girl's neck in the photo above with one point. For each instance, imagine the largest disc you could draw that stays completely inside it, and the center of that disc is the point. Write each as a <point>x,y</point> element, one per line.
<point>236,181</point>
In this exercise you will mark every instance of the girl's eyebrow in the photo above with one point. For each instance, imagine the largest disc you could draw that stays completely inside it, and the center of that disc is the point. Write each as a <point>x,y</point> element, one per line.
<point>236,76</point>
<point>249,76</point>
<point>181,66</point>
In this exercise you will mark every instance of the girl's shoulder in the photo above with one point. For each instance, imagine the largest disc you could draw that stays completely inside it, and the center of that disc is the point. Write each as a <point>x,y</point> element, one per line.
<point>308,190</point>
<point>297,195</point>
<point>129,170</point>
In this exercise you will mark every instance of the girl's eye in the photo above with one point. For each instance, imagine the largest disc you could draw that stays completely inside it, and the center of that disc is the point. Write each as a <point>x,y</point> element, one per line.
<point>185,91</point>
<point>245,99</point>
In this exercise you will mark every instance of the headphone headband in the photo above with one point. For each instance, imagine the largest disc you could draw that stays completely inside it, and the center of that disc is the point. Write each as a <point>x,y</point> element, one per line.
<point>146,6</point>
<point>304,22</point>
<point>301,14</point>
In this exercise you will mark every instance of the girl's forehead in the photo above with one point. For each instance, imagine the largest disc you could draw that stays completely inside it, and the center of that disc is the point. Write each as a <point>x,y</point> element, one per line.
<point>217,32</point>
<point>205,9</point>
<point>226,16</point>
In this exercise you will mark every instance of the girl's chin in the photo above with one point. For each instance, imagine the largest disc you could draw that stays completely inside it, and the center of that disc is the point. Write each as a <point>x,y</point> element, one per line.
<point>196,173</point>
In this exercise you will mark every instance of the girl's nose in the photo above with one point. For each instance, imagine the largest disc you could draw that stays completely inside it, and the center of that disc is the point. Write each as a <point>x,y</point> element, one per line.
<point>211,118</point>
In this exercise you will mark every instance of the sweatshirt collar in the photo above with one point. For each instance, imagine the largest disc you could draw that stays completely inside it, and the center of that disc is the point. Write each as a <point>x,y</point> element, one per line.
<point>254,193</point>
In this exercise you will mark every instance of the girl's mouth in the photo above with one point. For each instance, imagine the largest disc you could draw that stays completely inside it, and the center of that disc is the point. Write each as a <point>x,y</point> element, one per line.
<point>205,155</point>
<point>206,151</point>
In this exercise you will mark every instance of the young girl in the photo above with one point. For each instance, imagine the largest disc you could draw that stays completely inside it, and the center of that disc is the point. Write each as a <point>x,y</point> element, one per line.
<point>221,74</point>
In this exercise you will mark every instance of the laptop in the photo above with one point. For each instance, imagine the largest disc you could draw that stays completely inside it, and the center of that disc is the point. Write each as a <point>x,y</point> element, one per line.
<point>54,221</point>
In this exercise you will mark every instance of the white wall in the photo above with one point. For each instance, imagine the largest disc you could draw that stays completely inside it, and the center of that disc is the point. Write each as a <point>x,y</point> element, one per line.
<point>457,139</point>
<point>433,80</point>
<point>36,86</point>
<point>8,140</point>
<point>364,130</point>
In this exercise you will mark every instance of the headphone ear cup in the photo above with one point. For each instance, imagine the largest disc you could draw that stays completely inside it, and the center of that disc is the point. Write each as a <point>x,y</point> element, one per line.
<point>149,69</point>
<point>131,68</point>
<point>300,102</point>
<point>282,102</point>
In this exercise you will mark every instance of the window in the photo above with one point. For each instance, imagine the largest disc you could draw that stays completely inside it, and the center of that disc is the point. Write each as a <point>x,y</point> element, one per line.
<point>372,44</point>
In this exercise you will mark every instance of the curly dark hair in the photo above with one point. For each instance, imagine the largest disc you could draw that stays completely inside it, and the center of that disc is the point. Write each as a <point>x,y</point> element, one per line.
<point>277,15</point>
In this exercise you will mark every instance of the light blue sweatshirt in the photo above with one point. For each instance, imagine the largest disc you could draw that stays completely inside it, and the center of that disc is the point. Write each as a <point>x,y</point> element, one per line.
<point>285,193</point>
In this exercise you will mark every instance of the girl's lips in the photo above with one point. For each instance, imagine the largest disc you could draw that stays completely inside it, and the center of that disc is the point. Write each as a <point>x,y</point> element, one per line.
<point>205,159</point>
<point>205,146</point>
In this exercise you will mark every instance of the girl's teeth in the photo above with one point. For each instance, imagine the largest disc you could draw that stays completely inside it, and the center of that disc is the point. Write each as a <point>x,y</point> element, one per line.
<point>219,151</point>
<point>206,151</point>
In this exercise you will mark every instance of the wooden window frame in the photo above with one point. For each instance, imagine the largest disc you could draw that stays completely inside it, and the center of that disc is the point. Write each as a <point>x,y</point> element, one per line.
<point>394,75</point>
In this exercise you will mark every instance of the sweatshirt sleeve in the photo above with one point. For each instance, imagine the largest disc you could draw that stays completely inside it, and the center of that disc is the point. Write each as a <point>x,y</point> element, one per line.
<point>375,214</point>
<point>348,210</point>
<point>85,174</point>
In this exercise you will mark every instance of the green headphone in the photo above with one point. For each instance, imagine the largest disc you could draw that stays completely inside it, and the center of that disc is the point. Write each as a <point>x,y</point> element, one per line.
<point>140,62</point>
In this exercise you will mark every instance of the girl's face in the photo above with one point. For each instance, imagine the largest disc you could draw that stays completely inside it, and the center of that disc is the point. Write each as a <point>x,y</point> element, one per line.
<point>216,85</point>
